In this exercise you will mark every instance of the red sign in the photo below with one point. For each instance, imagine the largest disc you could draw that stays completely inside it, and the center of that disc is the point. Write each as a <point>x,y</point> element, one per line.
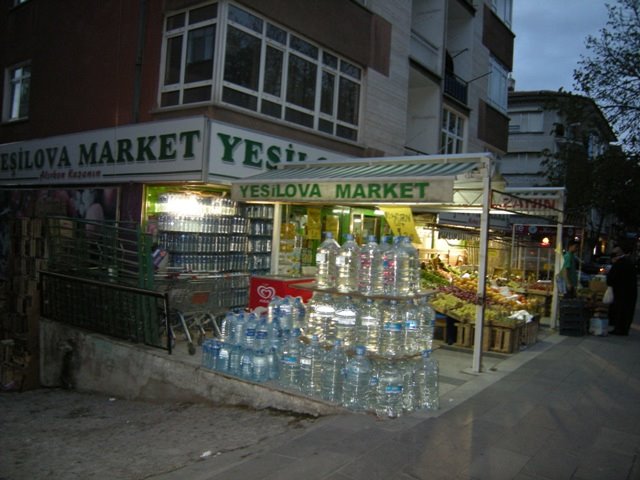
<point>264,289</point>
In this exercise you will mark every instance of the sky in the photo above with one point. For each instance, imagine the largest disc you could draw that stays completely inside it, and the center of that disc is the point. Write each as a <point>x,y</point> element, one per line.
<point>550,37</point>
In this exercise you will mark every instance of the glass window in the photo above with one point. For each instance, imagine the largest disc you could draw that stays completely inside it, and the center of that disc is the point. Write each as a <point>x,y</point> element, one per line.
<point>189,53</point>
<point>498,85</point>
<point>272,83</point>
<point>452,134</point>
<point>16,97</point>
<point>242,59</point>
<point>526,122</point>
<point>301,82</point>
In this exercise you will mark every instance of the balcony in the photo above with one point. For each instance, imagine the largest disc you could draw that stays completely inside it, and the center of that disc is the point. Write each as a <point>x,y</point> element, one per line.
<point>455,88</point>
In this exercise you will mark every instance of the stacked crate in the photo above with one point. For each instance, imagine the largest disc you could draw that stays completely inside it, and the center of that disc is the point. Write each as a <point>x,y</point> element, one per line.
<point>20,325</point>
<point>573,318</point>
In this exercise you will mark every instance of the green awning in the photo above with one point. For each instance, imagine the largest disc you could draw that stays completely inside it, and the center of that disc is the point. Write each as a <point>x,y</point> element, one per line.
<point>422,179</point>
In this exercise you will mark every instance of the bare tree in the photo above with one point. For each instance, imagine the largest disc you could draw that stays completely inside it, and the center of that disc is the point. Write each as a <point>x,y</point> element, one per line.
<point>610,72</point>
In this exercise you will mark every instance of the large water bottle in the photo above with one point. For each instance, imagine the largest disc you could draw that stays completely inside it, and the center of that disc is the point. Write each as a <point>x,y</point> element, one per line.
<point>290,362</point>
<point>237,332</point>
<point>355,389</point>
<point>333,372</point>
<point>428,320</point>
<point>226,327</point>
<point>286,313</point>
<point>389,391</point>
<point>260,366</point>
<point>298,313</point>
<point>326,262</point>
<point>370,268</point>
<point>273,362</point>
<point>273,309</point>
<point>311,367</point>
<point>250,331</point>
<point>368,321</point>
<point>413,269</point>
<point>222,365</point>
<point>246,364</point>
<point>320,313</point>
<point>276,335</point>
<point>413,328</point>
<point>392,334</point>
<point>401,278</point>
<point>344,320</point>
<point>427,390</point>
<point>262,340</point>
<point>387,263</point>
<point>235,357</point>
<point>347,265</point>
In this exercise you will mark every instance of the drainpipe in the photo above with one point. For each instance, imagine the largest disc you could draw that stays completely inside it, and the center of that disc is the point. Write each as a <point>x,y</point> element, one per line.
<point>137,82</point>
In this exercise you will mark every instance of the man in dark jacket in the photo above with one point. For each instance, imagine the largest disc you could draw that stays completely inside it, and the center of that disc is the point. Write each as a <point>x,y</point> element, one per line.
<point>622,278</point>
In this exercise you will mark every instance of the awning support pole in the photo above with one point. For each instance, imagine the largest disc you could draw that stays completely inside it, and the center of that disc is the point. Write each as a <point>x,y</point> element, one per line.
<point>558,263</point>
<point>482,264</point>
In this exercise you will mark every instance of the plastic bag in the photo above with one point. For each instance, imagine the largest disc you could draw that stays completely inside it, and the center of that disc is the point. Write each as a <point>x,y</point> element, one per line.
<point>607,299</point>
<point>561,285</point>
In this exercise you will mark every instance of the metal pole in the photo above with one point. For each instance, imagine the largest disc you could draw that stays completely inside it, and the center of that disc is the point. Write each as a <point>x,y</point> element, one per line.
<point>482,270</point>
<point>558,262</point>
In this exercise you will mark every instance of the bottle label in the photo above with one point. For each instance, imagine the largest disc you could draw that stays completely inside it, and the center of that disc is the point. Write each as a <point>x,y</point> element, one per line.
<point>392,327</point>
<point>289,359</point>
<point>321,257</point>
<point>393,389</point>
<point>305,361</point>
<point>341,260</point>
<point>411,325</point>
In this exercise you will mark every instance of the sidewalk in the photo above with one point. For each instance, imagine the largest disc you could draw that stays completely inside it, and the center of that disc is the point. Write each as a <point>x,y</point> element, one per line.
<point>567,408</point>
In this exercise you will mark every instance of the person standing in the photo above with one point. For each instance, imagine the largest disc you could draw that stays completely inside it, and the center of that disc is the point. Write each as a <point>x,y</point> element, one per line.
<point>569,271</point>
<point>622,277</point>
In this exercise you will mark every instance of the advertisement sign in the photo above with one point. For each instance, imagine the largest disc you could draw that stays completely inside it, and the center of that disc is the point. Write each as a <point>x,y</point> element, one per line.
<point>400,220</point>
<point>142,152</point>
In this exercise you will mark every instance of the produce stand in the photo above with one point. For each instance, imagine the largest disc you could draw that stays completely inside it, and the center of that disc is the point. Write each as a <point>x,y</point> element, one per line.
<point>429,183</point>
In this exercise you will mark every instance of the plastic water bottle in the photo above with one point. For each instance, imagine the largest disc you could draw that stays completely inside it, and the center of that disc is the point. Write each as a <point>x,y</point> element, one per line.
<point>427,390</point>
<point>355,390</point>
<point>311,367</point>
<point>370,268</point>
<point>333,372</point>
<point>368,321</point>
<point>250,331</point>
<point>273,362</point>
<point>298,313</point>
<point>206,354</point>
<point>246,364</point>
<point>413,328</point>
<point>389,391</point>
<point>237,335</point>
<point>347,265</point>
<point>413,269</point>
<point>290,362</point>
<point>399,281</point>
<point>326,262</point>
<point>387,264</point>
<point>344,320</point>
<point>276,335</point>
<point>286,313</point>
<point>428,319</point>
<point>226,327</point>
<point>262,341</point>
<point>320,313</point>
<point>235,357</point>
<point>273,309</point>
<point>214,354</point>
<point>260,366</point>
<point>392,334</point>
<point>222,365</point>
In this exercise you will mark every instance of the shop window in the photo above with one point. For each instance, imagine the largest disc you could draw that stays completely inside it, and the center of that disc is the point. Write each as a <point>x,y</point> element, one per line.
<point>265,69</point>
<point>16,92</point>
<point>452,133</point>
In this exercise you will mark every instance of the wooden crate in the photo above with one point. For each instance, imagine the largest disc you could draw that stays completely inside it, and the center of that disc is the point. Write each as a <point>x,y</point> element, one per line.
<point>506,339</point>
<point>464,336</point>
<point>529,332</point>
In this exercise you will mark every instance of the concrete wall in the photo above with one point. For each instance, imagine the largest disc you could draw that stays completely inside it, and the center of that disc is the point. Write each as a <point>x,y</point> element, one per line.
<point>101,364</point>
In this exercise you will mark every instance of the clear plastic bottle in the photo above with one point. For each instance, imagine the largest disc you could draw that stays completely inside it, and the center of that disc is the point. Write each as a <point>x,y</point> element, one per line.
<point>400,275</point>
<point>311,367</point>
<point>246,364</point>
<point>286,313</point>
<point>413,329</point>
<point>298,313</point>
<point>392,334</point>
<point>389,390</point>
<point>347,265</point>
<point>273,309</point>
<point>368,322</point>
<point>370,268</point>
<point>413,269</point>
<point>237,332</point>
<point>276,335</point>
<point>428,320</point>
<point>333,371</point>
<point>290,362</point>
<point>235,357</point>
<point>387,264</point>
<point>222,365</point>
<point>250,331</point>
<point>260,366</point>
<point>427,390</point>
<point>320,313</point>
<point>226,327</point>
<point>355,390</point>
<point>326,262</point>
<point>273,362</point>
<point>344,320</point>
<point>262,340</point>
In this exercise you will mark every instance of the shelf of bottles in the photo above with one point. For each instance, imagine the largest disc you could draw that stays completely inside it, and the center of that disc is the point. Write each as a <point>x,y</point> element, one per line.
<point>259,237</point>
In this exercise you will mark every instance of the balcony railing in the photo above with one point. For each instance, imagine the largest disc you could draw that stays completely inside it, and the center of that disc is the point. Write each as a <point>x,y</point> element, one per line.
<point>456,88</point>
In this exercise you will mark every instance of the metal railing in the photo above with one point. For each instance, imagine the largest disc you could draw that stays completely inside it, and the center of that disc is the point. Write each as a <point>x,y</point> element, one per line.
<point>455,87</point>
<point>121,311</point>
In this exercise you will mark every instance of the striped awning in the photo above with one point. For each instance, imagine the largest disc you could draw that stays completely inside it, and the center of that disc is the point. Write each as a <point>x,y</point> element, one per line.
<point>396,180</point>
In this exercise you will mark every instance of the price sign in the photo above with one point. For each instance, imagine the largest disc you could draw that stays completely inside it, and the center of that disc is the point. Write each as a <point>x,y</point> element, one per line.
<point>401,222</point>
